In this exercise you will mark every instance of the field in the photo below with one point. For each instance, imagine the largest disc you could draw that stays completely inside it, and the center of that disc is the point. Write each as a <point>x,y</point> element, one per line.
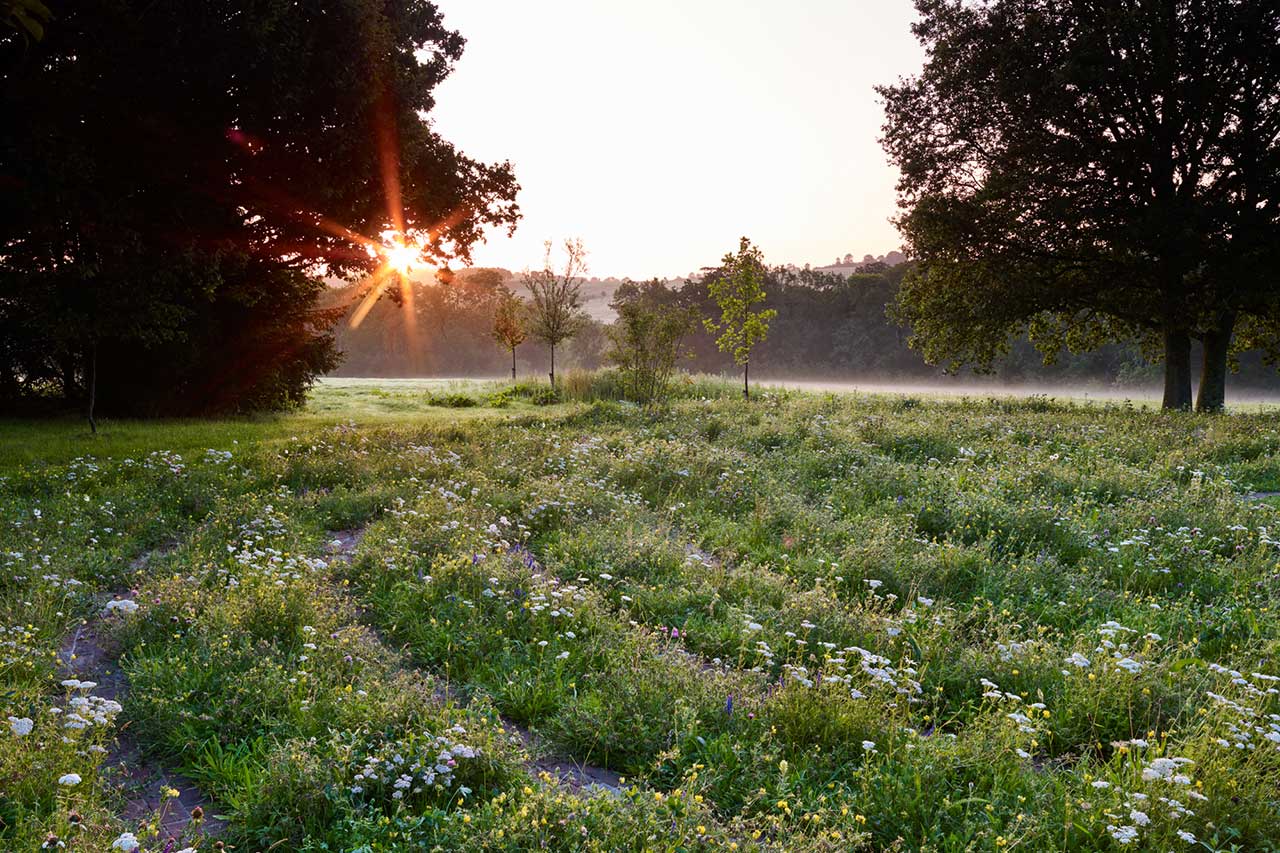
<point>818,623</point>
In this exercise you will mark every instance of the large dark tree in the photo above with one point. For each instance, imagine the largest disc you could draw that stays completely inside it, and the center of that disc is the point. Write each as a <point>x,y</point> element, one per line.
<point>177,174</point>
<point>1092,170</point>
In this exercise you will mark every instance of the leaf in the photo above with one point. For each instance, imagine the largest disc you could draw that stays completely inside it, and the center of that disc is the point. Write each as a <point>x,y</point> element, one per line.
<point>30,24</point>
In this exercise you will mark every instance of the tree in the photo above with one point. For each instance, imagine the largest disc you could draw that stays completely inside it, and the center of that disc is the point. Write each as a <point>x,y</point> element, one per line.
<point>170,228</point>
<point>555,298</point>
<point>1090,172</point>
<point>646,339</point>
<point>587,349</point>
<point>737,287</point>
<point>509,328</point>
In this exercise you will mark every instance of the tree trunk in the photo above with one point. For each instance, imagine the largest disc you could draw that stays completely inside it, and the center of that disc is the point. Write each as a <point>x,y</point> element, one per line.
<point>1177,370</point>
<point>553,365</point>
<point>70,388</point>
<point>513,364</point>
<point>93,386</point>
<point>1212,396</point>
<point>746,388</point>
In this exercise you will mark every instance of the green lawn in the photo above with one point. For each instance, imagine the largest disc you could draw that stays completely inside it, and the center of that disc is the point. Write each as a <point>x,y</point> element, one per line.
<point>332,401</point>
<point>810,622</point>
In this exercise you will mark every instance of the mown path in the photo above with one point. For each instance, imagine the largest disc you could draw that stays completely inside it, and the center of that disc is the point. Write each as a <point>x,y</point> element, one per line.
<point>88,654</point>
<point>575,775</point>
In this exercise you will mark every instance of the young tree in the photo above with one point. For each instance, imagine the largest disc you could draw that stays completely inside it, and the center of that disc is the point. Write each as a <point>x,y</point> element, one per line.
<point>646,339</point>
<point>737,287</point>
<point>1090,172</point>
<point>555,298</point>
<point>509,328</point>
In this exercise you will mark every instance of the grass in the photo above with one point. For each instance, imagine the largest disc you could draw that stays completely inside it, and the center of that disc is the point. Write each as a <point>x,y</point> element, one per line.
<point>810,622</point>
<point>333,401</point>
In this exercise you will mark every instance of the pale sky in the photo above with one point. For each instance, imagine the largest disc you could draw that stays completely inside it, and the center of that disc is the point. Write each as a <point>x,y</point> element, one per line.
<point>660,132</point>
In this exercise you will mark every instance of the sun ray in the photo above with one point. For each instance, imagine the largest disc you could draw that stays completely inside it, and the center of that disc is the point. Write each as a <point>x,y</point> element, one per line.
<point>403,247</point>
<point>389,159</point>
<point>378,283</point>
<point>410,315</point>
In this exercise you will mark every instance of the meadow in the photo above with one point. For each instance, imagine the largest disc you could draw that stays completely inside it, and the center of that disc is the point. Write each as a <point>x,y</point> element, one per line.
<point>471,617</point>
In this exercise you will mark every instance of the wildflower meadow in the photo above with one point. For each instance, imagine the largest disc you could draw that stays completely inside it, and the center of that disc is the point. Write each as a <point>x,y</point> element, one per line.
<point>806,622</point>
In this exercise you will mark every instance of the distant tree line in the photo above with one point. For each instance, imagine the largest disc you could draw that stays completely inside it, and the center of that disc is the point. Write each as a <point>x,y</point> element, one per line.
<point>452,333</point>
<point>827,327</point>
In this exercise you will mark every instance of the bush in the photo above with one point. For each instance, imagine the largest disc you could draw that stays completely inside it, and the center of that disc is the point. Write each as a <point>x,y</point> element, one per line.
<point>646,343</point>
<point>452,400</point>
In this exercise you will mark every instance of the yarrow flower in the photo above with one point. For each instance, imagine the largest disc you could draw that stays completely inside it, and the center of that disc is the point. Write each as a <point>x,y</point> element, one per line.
<point>69,779</point>
<point>128,842</point>
<point>1166,769</point>
<point>21,726</point>
<point>1123,834</point>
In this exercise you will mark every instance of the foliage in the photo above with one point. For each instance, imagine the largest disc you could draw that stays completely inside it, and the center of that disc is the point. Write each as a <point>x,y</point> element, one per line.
<point>737,287</point>
<point>555,298</point>
<point>646,340</point>
<point>1053,178</point>
<point>176,228</point>
<point>28,17</point>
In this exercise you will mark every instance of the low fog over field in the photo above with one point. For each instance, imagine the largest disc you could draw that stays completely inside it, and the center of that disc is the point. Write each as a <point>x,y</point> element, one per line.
<point>833,330</point>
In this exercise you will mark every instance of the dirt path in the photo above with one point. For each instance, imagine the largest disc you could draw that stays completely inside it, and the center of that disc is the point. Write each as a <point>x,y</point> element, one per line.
<point>584,778</point>
<point>88,654</point>
<point>578,777</point>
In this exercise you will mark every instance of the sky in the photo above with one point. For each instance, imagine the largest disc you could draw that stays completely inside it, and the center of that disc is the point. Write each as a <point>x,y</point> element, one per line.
<point>661,132</point>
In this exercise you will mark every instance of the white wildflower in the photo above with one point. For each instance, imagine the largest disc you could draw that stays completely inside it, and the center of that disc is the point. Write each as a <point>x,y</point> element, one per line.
<point>1123,834</point>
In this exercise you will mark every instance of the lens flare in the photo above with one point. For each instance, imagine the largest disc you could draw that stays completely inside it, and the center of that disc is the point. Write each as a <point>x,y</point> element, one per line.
<point>402,257</point>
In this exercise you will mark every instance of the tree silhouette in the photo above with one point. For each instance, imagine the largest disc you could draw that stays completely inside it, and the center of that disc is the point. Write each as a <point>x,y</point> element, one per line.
<point>1091,172</point>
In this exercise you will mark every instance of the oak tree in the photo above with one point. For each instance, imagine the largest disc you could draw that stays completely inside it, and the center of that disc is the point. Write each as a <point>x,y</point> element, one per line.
<point>1090,171</point>
<point>178,176</point>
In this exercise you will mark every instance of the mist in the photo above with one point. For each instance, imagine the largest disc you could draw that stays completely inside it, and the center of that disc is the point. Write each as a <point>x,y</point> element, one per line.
<point>832,332</point>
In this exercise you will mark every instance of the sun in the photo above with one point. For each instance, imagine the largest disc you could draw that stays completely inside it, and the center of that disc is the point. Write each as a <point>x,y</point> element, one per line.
<point>401,257</point>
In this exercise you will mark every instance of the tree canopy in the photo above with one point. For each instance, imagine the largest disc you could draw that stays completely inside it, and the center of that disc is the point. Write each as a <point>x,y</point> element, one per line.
<point>1091,171</point>
<point>177,176</point>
